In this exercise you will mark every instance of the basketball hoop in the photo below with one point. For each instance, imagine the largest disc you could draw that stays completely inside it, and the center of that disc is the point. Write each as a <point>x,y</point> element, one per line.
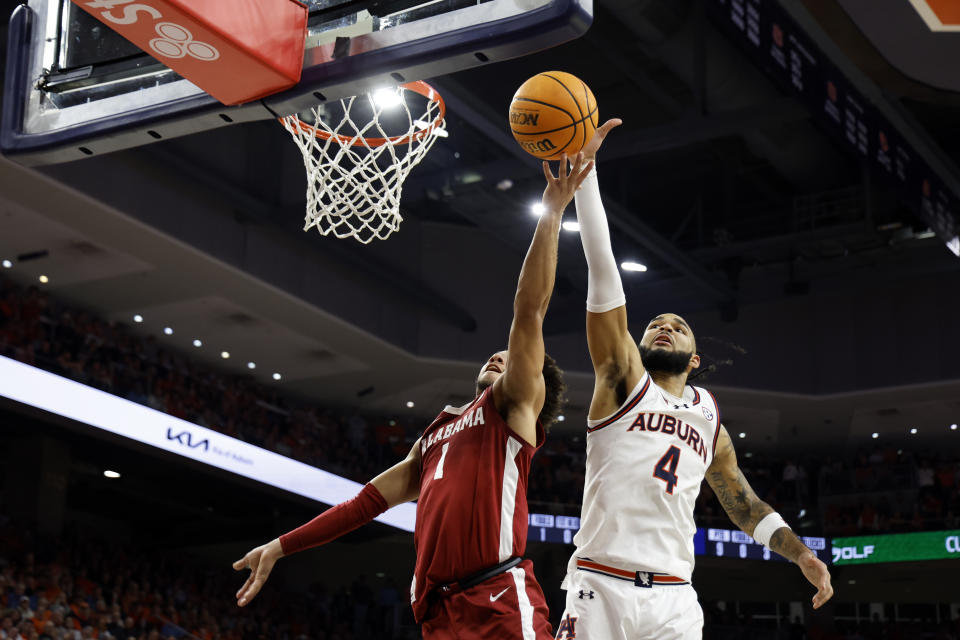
<point>355,171</point>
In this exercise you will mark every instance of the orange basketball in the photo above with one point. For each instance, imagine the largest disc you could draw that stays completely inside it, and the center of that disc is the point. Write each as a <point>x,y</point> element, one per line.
<point>553,113</point>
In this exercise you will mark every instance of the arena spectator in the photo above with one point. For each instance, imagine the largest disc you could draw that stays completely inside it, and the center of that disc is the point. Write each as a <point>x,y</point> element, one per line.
<point>849,495</point>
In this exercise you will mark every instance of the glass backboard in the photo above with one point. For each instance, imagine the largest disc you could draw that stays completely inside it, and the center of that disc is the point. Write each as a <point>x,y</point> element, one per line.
<point>74,88</point>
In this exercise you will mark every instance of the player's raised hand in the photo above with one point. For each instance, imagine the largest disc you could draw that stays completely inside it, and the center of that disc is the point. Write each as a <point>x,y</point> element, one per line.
<point>260,561</point>
<point>562,187</point>
<point>816,572</point>
<point>590,149</point>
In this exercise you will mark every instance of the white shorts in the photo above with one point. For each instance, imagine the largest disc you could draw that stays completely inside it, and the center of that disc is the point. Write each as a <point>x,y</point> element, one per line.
<point>604,608</point>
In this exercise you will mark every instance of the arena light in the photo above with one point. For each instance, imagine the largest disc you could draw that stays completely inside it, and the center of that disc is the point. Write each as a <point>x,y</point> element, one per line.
<point>197,342</point>
<point>953,427</point>
<point>277,376</point>
<point>168,331</point>
<point>537,209</point>
<point>224,354</point>
<point>138,318</point>
<point>7,264</point>
<point>742,435</point>
<point>387,98</point>
<point>561,418</point>
<point>571,225</point>
<point>410,404</point>
<point>251,365</point>
<point>106,412</point>
<point>875,435</point>
<point>913,431</point>
<point>633,266</point>
<point>44,279</point>
<point>111,474</point>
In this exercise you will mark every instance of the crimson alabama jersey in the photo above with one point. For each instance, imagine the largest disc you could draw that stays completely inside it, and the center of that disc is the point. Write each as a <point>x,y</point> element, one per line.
<point>472,511</point>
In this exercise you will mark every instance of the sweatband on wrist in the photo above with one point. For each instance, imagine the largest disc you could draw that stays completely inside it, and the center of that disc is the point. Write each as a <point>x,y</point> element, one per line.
<point>767,526</point>
<point>604,288</point>
<point>335,521</point>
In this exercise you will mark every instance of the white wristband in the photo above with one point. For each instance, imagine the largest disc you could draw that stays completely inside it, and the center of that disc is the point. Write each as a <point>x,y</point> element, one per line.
<point>766,527</point>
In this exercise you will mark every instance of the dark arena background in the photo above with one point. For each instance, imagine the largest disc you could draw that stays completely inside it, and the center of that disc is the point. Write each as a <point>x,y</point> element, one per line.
<point>787,174</point>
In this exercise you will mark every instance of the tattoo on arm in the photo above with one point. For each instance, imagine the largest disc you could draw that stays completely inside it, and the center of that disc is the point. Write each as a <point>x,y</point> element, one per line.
<point>787,544</point>
<point>742,504</point>
<point>738,499</point>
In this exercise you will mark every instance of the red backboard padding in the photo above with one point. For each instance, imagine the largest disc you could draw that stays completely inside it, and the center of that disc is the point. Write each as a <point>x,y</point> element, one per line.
<point>235,50</point>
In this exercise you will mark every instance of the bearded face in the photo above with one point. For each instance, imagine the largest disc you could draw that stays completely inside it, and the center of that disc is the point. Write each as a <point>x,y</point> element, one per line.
<point>668,346</point>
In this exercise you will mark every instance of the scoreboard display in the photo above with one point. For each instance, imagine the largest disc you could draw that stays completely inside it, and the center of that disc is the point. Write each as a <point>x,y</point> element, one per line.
<point>718,543</point>
<point>772,39</point>
<point>733,543</point>
<point>545,527</point>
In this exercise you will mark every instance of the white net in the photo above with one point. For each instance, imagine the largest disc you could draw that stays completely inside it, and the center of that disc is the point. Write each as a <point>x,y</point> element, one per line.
<point>356,167</point>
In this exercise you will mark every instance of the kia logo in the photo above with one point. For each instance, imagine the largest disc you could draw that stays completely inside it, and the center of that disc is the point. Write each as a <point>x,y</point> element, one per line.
<point>186,438</point>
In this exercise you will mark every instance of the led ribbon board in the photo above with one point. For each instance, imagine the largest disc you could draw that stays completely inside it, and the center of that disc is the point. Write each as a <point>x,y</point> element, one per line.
<point>718,543</point>
<point>897,547</point>
<point>733,543</point>
<point>101,410</point>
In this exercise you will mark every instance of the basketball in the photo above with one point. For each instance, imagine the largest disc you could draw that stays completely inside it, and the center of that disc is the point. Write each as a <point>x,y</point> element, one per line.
<point>552,113</point>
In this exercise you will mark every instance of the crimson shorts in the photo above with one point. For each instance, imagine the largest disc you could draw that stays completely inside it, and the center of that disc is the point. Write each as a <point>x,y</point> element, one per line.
<point>508,606</point>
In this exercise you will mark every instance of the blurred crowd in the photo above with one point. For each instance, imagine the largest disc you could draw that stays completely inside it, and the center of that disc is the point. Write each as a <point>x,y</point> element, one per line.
<point>37,330</point>
<point>884,489</point>
<point>80,588</point>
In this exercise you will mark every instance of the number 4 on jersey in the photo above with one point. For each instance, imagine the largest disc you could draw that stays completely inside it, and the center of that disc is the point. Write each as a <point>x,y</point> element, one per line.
<point>666,468</point>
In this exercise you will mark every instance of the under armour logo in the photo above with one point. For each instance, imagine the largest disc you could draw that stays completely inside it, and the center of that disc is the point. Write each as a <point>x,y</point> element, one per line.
<point>586,594</point>
<point>677,406</point>
<point>643,579</point>
<point>568,628</point>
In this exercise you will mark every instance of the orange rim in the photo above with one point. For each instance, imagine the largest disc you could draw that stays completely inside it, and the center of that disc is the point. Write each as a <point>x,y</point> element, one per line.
<point>421,87</point>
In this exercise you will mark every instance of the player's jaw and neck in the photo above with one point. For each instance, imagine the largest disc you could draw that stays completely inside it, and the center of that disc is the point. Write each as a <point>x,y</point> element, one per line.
<point>669,370</point>
<point>492,369</point>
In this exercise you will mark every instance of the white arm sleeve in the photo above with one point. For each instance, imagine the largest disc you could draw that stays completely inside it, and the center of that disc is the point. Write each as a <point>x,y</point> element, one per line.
<point>604,288</point>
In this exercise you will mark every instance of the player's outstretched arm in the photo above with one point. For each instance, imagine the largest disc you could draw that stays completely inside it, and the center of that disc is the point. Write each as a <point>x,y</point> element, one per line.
<point>398,484</point>
<point>616,359</point>
<point>758,519</point>
<point>519,392</point>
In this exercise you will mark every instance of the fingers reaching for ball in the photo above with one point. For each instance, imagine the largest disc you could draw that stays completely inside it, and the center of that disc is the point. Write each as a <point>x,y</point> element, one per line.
<point>593,145</point>
<point>562,187</point>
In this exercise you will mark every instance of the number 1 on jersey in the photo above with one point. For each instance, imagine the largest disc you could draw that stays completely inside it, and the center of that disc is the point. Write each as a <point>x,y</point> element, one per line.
<point>443,456</point>
<point>666,468</point>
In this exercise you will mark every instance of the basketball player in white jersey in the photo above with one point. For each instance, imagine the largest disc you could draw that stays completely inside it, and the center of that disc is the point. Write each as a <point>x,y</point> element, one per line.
<point>651,440</point>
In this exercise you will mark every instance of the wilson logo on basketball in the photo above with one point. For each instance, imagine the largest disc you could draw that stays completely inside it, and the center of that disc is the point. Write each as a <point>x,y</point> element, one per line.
<point>524,118</point>
<point>538,146</point>
<point>553,113</point>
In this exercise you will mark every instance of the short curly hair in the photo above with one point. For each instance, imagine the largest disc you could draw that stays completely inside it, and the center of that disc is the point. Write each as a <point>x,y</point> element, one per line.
<point>555,398</point>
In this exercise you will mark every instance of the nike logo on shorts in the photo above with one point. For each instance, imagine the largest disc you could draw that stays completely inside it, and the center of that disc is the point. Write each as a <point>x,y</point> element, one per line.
<point>494,598</point>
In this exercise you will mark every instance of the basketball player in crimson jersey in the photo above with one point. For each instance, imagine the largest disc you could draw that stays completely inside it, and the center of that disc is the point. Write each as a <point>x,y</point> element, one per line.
<point>651,440</point>
<point>469,471</point>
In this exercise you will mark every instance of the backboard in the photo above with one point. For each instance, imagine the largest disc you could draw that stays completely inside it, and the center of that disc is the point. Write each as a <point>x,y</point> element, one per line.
<point>74,88</point>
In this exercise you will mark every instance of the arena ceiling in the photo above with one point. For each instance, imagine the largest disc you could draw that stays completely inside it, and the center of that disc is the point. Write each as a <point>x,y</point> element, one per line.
<point>823,289</point>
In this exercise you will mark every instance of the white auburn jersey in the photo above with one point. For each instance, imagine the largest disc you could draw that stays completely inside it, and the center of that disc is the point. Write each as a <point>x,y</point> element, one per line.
<point>645,464</point>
